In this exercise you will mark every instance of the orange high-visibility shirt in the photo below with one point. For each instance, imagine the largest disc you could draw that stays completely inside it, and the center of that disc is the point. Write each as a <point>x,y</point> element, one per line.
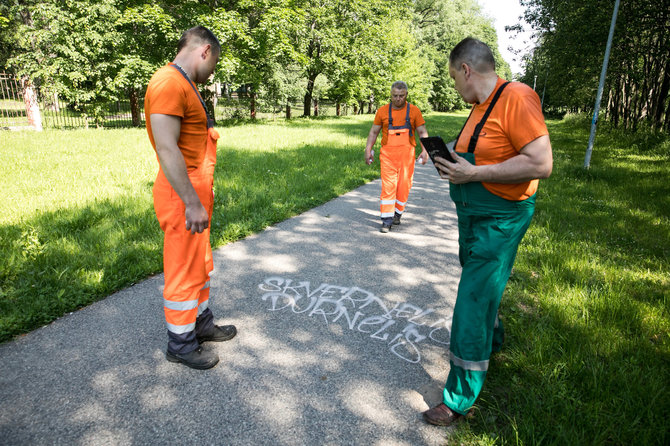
<point>415,118</point>
<point>169,93</point>
<point>516,120</point>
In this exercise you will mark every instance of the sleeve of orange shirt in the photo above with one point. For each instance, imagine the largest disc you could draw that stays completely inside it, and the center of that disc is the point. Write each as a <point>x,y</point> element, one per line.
<point>525,122</point>
<point>378,116</point>
<point>167,98</point>
<point>416,117</point>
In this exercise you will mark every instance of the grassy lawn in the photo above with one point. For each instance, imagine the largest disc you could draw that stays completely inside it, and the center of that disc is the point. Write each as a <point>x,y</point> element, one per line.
<point>587,315</point>
<point>76,212</point>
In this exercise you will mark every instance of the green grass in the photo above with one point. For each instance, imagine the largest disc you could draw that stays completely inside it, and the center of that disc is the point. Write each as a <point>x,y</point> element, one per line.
<point>586,312</point>
<point>76,212</point>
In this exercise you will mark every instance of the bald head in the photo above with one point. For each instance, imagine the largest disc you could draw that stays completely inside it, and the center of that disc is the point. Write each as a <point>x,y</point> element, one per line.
<point>197,36</point>
<point>475,54</point>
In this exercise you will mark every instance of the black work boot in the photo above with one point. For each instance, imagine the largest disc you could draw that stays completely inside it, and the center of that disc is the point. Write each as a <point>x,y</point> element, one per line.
<point>396,219</point>
<point>199,358</point>
<point>217,333</point>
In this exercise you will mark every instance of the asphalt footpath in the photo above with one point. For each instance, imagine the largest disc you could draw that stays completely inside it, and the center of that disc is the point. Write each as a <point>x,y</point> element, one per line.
<point>342,339</point>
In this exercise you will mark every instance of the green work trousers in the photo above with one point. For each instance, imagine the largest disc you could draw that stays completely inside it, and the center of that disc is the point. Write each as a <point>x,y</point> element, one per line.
<point>490,229</point>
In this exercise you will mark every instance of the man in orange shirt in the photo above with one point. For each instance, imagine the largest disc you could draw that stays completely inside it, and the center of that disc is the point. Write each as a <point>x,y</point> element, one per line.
<point>502,149</point>
<point>183,136</point>
<point>398,121</point>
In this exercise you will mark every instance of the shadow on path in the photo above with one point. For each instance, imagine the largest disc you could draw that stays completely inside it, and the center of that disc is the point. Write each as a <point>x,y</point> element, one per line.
<point>343,334</point>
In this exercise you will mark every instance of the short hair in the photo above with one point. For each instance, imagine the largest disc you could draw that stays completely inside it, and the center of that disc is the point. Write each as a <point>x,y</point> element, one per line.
<point>473,52</point>
<point>399,85</point>
<point>198,35</point>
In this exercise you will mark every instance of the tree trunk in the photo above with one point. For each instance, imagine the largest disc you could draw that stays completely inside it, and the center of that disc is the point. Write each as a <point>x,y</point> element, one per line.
<point>135,108</point>
<point>316,107</point>
<point>288,109</point>
<point>32,106</point>
<point>662,96</point>
<point>337,109</point>
<point>307,104</point>
<point>252,104</point>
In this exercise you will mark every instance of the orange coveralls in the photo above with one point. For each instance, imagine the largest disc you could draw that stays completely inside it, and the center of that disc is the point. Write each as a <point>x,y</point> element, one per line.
<point>187,258</point>
<point>397,167</point>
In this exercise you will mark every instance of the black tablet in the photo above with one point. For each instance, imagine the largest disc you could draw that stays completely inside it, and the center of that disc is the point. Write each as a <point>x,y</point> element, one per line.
<point>435,146</point>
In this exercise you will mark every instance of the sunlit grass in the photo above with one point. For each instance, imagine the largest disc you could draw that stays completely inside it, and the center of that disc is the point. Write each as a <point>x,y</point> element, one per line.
<point>587,314</point>
<point>76,214</point>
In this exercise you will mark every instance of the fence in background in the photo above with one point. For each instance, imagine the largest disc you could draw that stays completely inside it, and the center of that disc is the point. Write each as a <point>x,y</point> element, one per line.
<point>23,106</point>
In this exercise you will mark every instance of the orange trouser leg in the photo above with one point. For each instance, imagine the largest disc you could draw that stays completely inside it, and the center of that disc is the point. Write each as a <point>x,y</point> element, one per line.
<point>397,171</point>
<point>405,177</point>
<point>187,263</point>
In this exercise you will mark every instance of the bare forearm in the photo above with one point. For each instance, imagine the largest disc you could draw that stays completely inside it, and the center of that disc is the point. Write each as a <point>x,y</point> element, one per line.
<point>423,133</point>
<point>515,170</point>
<point>533,161</point>
<point>421,130</point>
<point>372,138</point>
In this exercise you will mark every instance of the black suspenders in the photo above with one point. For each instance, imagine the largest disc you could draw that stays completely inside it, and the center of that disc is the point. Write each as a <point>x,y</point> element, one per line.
<point>408,124</point>
<point>210,121</point>
<point>480,126</point>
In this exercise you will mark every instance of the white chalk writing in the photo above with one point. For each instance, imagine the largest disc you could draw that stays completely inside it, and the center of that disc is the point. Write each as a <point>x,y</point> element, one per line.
<point>402,327</point>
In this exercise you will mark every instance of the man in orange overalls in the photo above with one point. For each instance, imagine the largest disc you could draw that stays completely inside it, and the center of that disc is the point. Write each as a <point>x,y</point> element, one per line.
<point>398,121</point>
<point>183,136</point>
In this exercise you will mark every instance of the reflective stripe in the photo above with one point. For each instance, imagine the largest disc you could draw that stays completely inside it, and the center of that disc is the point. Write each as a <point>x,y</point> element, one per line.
<point>203,306</point>
<point>387,214</point>
<point>180,306</point>
<point>388,201</point>
<point>399,212</point>
<point>477,366</point>
<point>206,285</point>
<point>180,329</point>
<point>401,203</point>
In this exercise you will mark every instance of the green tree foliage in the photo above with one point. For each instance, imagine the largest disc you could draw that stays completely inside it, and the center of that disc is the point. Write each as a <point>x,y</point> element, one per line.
<point>147,36</point>
<point>441,24</point>
<point>69,47</point>
<point>278,51</point>
<point>8,36</point>
<point>258,34</point>
<point>353,43</point>
<point>572,38</point>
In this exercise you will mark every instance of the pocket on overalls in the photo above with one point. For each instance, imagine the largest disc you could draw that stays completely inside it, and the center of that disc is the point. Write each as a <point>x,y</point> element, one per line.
<point>398,137</point>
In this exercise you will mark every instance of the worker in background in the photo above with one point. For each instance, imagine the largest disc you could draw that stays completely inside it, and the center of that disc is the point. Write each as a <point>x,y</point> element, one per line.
<point>399,122</point>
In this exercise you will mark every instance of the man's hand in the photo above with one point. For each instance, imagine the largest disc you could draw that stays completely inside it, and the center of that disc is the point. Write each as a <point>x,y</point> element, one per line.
<point>372,137</point>
<point>423,133</point>
<point>423,157</point>
<point>458,173</point>
<point>197,219</point>
<point>534,161</point>
<point>369,156</point>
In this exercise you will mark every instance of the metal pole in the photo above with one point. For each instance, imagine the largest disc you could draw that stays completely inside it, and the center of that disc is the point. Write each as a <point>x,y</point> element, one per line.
<point>601,85</point>
<point>544,88</point>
